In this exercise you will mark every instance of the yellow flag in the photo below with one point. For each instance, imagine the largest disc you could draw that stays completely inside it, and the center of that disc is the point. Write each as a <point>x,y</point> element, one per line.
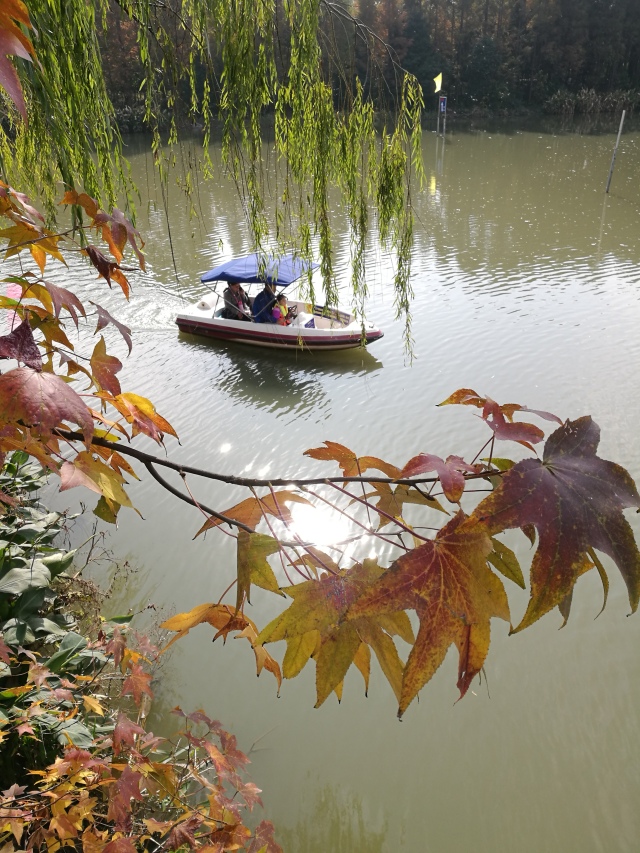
<point>438,81</point>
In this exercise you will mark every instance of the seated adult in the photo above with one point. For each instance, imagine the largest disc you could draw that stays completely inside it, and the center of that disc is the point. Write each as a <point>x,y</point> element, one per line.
<point>236,303</point>
<point>263,304</point>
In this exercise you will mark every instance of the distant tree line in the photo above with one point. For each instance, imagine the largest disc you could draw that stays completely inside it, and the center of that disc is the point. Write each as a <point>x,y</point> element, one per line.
<point>561,55</point>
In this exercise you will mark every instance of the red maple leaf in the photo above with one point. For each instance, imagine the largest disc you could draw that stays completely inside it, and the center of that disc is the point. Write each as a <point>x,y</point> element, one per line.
<point>20,345</point>
<point>183,833</point>
<point>116,646</point>
<point>450,472</point>
<point>264,839</point>
<point>575,501</point>
<point>41,401</point>
<point>137,683</point>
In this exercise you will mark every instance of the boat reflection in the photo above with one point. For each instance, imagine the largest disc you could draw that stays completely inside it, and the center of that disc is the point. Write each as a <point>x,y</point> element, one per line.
<point>280,381</point>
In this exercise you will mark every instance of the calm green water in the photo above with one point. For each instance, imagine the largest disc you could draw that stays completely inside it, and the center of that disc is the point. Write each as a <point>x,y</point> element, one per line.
<point>527,288</point>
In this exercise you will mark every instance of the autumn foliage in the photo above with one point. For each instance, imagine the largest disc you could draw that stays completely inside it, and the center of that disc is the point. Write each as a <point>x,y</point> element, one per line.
<point>79,766</point>
<point>568,503</point>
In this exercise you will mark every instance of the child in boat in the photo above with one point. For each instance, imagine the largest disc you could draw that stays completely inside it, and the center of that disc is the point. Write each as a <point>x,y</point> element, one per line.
<point>280,311</point>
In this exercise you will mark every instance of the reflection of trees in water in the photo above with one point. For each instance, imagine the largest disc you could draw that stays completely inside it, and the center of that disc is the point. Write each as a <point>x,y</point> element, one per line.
<point>284,381</point>
<point>336,824</point>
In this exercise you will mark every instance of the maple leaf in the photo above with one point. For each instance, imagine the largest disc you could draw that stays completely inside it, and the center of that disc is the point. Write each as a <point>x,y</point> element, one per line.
<point>128,785</point>
<point>505,561</point>
<point>63,298</point>
<point>263,658</point>
<point>448,583</point>
<point>93,706</point>
<point>450,472</point>
<point>467,397</point>
<point>73,368</point>
<point>263,840</point>
<point>250,794</point>
<point>351,464</point>
<point>113,458</point>
<point>119,811</point>
<point>63,827</point>
<point>200,717</point>
<point>116,229</point>
<point>95,475</point>
<point>500,417</point>
<point>53,333</point>
<point>107,269</point>
<point>125,732</point>
<point>88,204</point>
<point>312,626</point>
<point>217,615</point>
<point>13,42</point>
<point>157,827</point>
<point>20,345</point>
<point>252,510</point>
<point>42,401</point>
<point>93,842</point>
<point>575,501</point>
<point>391,501</point>
<point>116,646</point>
<point>40,242</point>
<point>523,433</point>
<point>253,550</point>
<point>183,833</point>
<point>14,791</point>
<point>122,232</point>
<point>230,837</point>
<point>137,683</point>
<point>104,318</point>
<point>105,367</point>
<point>120,845</point>
<point>141,413</point>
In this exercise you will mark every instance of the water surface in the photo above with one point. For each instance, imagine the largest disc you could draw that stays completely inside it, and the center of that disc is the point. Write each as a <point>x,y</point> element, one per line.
<point>526,281</point>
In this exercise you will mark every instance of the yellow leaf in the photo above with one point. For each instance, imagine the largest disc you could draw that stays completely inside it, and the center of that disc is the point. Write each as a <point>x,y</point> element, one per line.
<point>253,550</point>
<point>299,650</point>
<point>93,706</point>
<point>362,660</point>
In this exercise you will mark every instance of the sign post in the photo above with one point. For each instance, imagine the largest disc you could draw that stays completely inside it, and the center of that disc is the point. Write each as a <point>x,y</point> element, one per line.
<point>442,111</point>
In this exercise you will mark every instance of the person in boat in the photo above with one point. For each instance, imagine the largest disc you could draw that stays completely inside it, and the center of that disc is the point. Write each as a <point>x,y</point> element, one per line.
<point>263,304</point>
<point>280,311</point>
<point>236,303</point>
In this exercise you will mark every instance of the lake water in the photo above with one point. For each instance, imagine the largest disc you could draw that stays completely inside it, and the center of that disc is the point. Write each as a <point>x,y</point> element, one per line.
<point>527,289</point>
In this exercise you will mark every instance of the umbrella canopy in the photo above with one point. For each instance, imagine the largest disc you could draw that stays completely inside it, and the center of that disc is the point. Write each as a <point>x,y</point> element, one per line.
<point>279,272</point>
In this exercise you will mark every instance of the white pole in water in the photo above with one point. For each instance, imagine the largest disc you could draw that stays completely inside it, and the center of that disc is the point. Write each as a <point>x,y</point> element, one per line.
<point>615,151</point>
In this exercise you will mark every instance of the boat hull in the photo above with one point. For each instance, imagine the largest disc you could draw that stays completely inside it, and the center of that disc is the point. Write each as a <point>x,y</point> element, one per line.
<point>337,337</point>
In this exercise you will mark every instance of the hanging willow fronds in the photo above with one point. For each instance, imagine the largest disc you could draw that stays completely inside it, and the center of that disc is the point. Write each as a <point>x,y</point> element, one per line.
<point>337,129</point>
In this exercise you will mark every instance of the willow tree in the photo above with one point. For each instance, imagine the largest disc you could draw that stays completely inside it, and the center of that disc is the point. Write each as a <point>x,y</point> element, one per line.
<point>235,62</point>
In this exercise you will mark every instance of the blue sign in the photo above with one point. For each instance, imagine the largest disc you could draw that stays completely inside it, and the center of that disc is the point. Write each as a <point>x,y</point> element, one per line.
<point>443,104</point>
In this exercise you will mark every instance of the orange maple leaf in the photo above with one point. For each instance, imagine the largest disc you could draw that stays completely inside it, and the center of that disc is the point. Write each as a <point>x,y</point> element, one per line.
<point>448,583</point>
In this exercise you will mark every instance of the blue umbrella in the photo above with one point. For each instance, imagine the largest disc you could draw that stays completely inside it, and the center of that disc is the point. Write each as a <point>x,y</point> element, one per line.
<point>279,272</point>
